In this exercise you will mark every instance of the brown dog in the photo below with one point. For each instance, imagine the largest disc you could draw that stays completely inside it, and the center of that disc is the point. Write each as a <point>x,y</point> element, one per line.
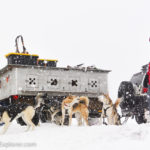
<point>76,105</point>
<point>109,110</point>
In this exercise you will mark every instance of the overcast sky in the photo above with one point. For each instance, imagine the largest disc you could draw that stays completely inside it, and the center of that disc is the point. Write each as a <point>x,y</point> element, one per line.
<point>111,34</point>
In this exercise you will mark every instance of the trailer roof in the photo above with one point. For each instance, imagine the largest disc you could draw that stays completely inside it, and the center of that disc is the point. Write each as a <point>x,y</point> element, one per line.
<point>9,67</point>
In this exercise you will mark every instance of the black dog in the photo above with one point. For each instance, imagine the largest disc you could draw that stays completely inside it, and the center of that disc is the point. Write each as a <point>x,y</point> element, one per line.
<point>14,111</point>
<point>132,104</point>
<point>41,112</point>
<point>54,105</point>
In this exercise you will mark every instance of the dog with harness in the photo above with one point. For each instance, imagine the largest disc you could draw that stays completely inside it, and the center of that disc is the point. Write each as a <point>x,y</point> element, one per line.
<point>75,105</point>
<point>109,110</point>
<point>52,109</point>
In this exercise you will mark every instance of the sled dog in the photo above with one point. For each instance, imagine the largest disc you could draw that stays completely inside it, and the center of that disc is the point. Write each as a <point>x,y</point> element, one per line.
<point>15,111</point>
<point>109,110</point>
<point>75,105</point>
<point>53,108</point>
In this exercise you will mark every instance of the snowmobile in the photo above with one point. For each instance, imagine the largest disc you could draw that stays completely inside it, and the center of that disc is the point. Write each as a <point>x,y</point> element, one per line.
<point>26,74</point>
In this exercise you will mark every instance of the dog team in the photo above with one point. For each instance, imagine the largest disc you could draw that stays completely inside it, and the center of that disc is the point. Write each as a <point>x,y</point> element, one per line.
<point>71,105</point>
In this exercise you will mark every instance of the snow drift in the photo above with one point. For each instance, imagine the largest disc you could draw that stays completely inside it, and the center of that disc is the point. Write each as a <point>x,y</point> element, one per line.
<point>50,136</point>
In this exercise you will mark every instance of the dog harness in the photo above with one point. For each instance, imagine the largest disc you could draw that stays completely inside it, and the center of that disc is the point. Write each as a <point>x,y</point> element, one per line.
<point>105,110</point>
<point>66,105</point>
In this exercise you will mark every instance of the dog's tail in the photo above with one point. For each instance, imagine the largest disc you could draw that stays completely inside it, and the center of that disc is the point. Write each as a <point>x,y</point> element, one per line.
<point>38,100</point>
<point>85,100</point>
<point>117,102</point>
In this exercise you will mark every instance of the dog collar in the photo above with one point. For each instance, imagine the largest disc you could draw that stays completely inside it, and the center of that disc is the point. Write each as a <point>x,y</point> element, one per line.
<point>66,105</point>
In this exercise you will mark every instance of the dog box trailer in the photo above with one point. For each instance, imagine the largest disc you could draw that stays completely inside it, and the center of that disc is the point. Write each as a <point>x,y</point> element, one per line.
<point>25,75</point>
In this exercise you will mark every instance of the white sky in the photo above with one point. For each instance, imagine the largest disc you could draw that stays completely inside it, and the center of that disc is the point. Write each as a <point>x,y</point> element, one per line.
<point>112,34</point>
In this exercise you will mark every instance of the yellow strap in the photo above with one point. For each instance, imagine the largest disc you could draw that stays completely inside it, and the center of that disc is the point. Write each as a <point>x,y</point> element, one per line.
<point>99,110</point>
<point>20,54</point>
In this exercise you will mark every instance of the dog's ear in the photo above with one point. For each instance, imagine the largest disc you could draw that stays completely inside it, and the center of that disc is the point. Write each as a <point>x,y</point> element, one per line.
<point>70,96</point>
<point>107,96</point>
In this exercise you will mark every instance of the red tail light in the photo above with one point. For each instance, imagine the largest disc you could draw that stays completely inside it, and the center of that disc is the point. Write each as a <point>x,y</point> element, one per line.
<point>145,90</point>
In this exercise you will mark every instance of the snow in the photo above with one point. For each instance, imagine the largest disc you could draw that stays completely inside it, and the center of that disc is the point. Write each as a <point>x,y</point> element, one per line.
<point>53,137</point>
<point>111,34</point>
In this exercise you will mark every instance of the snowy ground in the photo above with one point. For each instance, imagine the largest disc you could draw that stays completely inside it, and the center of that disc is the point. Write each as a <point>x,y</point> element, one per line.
<point>52,137</point>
